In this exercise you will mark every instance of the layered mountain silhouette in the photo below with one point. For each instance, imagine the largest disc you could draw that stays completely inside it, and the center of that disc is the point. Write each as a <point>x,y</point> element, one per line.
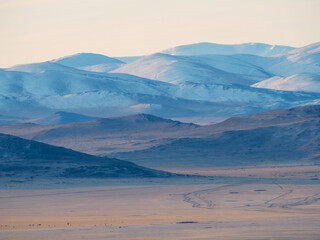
<point>279,137</point>
<point>104,135</point>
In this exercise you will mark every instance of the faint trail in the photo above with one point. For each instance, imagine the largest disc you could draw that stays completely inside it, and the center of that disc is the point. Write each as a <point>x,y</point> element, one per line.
<point>73,192</point>
<point>306,201</point>
<point>276,198</point>
<point>275,182</point>
<point>199,199</point>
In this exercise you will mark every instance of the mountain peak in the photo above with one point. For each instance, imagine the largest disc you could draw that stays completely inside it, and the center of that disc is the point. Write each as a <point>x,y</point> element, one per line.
<point>85,60</point>
<point>62,117</point>
<point>136,118</point>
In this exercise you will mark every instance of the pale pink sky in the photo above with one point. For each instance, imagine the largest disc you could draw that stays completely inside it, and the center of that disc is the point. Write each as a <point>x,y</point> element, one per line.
<point>39,30</point>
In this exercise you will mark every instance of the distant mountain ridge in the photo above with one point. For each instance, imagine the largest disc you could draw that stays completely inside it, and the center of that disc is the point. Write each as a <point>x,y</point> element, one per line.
<point>206,48</point>
<point>62,117</point>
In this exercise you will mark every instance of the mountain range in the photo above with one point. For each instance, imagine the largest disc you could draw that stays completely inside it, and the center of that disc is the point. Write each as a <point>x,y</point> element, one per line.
<point>199,80</point>
<point>279,136</point>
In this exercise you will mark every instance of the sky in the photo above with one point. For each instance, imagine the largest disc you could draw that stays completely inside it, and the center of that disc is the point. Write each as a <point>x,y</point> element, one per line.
<point>41,30</point>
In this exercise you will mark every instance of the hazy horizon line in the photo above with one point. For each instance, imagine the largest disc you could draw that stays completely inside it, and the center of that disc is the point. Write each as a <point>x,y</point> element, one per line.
<point>137,55</point>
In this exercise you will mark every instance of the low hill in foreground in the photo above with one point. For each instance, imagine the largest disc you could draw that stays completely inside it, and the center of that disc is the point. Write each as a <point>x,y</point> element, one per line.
<point>21,158</point>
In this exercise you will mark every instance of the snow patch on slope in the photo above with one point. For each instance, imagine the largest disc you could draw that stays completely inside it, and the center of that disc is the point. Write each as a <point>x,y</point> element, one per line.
<point>180,70</point>
<point>298,82</point>
<point>102,68</point>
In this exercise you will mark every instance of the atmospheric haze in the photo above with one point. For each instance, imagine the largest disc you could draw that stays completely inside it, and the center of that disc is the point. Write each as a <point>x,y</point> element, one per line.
<point>34,30</point>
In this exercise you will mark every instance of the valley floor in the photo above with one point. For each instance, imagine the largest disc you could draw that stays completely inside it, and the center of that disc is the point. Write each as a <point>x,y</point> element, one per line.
<point>265,203</point>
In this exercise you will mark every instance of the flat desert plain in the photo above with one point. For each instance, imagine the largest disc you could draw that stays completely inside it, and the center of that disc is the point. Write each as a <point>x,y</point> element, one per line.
<point>244,203</point>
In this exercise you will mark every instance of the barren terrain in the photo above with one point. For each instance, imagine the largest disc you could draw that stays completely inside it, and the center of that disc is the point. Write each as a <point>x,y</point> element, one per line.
<point>255,203</point>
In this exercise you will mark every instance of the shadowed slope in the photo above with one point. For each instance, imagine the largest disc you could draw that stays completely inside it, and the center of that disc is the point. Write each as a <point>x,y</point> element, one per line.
<point>278,136</point>
<point>28,159</point>
<point>104,135</point>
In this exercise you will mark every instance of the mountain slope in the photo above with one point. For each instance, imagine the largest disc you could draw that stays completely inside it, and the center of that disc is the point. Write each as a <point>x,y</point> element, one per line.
<point>62,117</point>
<point>168,68</point>
<point>201,77</point>
<point>128,59</point>
<point>277,137</point>
<point>180,70</point>
<point>276,117</point>
<point>20,158</point>
<point>103,68</point>
<point>299,82</point>
<point>55,86</point>
<point>297,70</point>
<point>309,54</point>
<point>10,119</point>
<point>104,135</point>
<point>85,60</point>
<point>181,86</point>
<point>296,143</point>
<point>90,62</point>
<point>205,48</point>
<point>47,87</point>
<point>242,69</point>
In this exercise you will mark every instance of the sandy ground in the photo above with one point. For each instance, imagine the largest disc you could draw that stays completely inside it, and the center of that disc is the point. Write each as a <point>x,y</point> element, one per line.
<point>285,171</point>
<point>213,208</point>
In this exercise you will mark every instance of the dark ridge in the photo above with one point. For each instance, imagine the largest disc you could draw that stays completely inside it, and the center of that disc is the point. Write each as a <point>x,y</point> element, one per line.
<point>30,159</point>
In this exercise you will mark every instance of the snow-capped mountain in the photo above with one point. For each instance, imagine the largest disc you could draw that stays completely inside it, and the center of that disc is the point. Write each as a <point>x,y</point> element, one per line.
<point>297,70</point>
<point>240,69</point>
<point>90,62</point>
<point>51,79</point>
<point>37,68</point>
<point>309,54</point>
<point>161,84</point>
<point>85,60</point>
<point>180,70</point>
<point>206,48</point>
<point>53,86</point>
